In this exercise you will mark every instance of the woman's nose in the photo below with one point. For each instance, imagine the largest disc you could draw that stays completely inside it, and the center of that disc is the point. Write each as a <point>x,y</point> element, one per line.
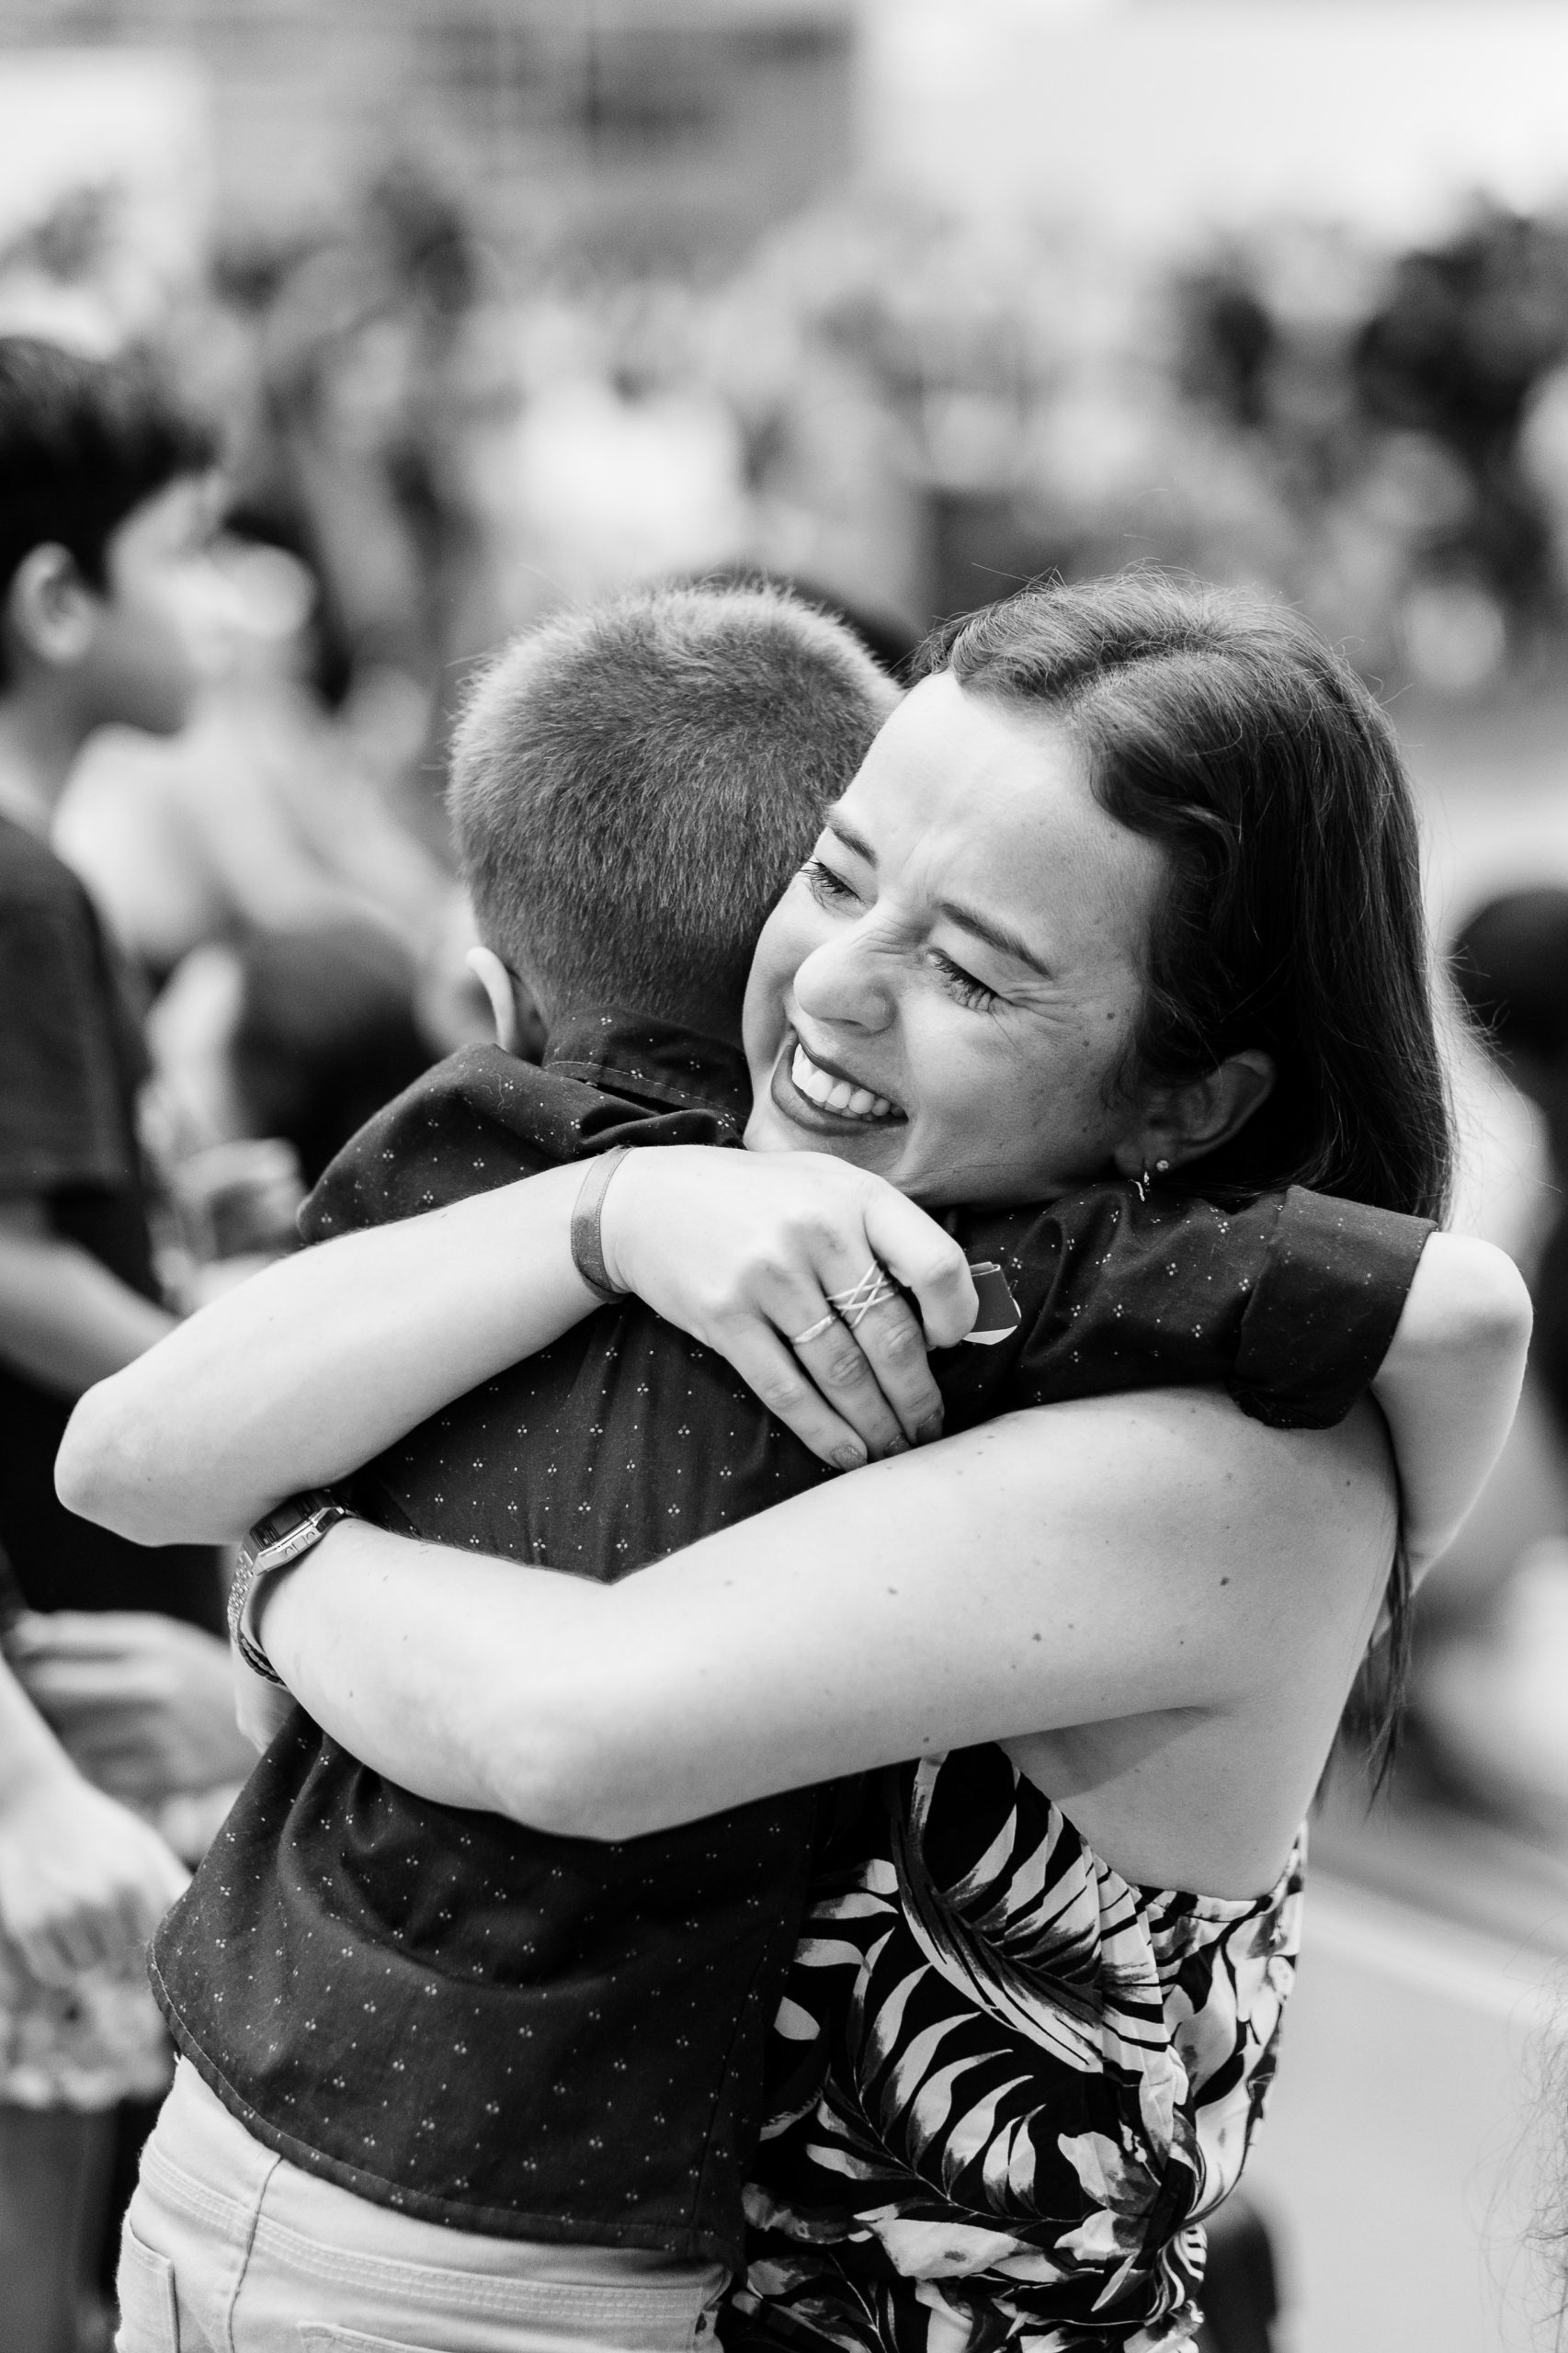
<point>846,979</point>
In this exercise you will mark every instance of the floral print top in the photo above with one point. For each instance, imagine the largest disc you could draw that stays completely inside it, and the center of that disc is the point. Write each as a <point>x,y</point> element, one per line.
<point>1008,2085</point>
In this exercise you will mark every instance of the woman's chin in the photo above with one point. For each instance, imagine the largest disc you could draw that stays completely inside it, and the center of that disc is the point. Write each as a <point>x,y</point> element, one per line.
<point>766,1131</point>
<point>770,1128</point>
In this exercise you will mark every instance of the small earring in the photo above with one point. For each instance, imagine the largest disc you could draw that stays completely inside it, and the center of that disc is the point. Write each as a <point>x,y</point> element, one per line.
<point>1141,1184</point>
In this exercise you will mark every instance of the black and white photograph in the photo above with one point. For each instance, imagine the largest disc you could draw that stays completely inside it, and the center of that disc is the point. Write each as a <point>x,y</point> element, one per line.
<point>783,1142</point>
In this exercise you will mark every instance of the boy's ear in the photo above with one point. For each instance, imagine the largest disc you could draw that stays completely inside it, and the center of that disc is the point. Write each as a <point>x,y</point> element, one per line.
<point>51,612</point>
<point>519,1025</point>
<point>1182,1123</point>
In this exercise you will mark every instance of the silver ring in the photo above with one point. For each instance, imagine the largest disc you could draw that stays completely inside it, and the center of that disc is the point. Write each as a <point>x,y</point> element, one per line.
<point>855,1303</point>
<point>815,1330</point>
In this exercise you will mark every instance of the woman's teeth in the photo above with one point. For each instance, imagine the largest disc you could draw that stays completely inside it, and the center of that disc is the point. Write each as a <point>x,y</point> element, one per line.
<point>836,1094</point>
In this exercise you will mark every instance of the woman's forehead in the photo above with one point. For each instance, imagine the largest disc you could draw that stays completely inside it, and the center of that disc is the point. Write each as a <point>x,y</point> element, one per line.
<point>967,796</point>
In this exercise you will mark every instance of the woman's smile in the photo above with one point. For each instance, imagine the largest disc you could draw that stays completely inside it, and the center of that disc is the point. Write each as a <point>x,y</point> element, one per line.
<point>819,1095</point>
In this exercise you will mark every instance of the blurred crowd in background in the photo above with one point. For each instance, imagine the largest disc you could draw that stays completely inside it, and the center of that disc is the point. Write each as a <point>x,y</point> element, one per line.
<point>904,412</point>
<point>910,414</point>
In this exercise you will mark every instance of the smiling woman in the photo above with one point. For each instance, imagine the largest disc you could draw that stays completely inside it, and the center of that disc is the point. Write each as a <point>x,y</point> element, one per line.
<point>1125,890</point>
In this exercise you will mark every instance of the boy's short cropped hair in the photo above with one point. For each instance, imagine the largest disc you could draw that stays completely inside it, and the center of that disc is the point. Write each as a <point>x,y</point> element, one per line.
<point>634,785</point>
<point>84,442</point>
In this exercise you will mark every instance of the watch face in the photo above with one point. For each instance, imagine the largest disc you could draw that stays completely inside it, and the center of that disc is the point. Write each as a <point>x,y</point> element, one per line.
<point>278,1524</point>
<point>290,1530</point>
<point>290,1545</point>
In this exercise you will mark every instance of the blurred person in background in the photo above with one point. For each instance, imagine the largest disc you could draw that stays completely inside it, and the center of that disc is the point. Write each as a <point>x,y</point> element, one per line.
<point>83,1881</point>
<point>368,372</point>
<point>626,463</point>
<point>271,1050</point>
<point>106,500</point>
<point>270,810</point>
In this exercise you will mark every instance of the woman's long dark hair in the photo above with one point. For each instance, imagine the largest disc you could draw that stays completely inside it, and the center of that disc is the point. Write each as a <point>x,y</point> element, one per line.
<point>1223,727</point>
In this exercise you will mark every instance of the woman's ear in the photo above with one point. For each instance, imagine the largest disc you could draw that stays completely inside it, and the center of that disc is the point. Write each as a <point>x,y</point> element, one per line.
<point>1182,1123</point>
<point>518,1026</point>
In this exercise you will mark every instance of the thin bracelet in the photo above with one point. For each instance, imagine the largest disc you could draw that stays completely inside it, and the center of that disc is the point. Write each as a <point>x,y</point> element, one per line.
<point>587,1241</point>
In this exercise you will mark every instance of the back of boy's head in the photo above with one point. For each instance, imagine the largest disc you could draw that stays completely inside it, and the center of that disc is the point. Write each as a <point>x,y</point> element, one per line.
<point>633,786</point>
<point>84,443</point>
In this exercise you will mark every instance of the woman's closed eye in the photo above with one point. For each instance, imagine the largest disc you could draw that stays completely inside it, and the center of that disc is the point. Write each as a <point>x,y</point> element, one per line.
<point>825,885</point>
<point>963,986</point>
<point>830,888</point>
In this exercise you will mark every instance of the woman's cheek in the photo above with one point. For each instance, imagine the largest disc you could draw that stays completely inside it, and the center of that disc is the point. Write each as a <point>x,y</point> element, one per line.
<point>1050,1097</point>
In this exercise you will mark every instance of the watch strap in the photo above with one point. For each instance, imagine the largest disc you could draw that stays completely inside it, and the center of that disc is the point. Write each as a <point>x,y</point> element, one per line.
<point>284,1535</point>
<point>587,1241</point>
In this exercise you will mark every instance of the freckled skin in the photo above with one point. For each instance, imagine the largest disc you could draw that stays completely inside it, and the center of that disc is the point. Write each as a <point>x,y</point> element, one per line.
<point>1003,1073</point>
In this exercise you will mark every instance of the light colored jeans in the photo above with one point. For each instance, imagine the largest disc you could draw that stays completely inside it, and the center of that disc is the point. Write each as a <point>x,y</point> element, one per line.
<point>228,2248</point>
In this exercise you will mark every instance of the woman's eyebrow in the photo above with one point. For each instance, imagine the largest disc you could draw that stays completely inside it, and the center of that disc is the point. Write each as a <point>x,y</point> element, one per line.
<point>996,935</point>
<point>852,840</point>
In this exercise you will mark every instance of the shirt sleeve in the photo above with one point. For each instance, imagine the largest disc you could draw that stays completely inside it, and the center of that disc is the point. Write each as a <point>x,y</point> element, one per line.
<point>1288,1302</point>
<point>63,1114</point>
<point>1319,1323</point>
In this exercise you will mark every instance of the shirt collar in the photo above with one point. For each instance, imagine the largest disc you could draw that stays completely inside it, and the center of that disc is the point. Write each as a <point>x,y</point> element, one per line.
<point>649,1060</point>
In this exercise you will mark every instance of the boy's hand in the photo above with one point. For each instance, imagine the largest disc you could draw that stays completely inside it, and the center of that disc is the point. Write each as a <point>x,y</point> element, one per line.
<point>144,1705</point>
<point>83,1883</point>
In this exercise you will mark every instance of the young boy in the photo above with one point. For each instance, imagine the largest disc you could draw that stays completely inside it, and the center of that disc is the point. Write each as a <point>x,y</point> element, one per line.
<point>104,494</point>
<point>401,2016</point>
<point>104,497</point>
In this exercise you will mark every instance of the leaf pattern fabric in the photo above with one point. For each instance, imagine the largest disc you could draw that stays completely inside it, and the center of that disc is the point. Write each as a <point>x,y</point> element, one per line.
<point>1006,2084</point>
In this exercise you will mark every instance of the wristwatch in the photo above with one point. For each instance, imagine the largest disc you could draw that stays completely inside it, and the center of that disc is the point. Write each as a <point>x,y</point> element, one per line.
<point>283,1536</point>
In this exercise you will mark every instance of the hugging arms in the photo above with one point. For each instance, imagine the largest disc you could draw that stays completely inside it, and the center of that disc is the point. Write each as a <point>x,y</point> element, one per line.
<point>1021,962</point>
<point>1153,1557</point>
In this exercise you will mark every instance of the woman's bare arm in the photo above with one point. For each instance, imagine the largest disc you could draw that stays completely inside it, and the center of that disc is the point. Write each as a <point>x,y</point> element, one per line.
<point>299,1376</point>
<point>1112,1557</point>
<point>311,1368</point>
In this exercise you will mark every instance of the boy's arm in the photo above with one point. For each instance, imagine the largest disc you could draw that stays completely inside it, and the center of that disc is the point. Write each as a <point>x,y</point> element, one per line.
<point>65,1321</point>
<point>1298,1303</point>
<point>1450,1382</point>
<point>1288,1301</point>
